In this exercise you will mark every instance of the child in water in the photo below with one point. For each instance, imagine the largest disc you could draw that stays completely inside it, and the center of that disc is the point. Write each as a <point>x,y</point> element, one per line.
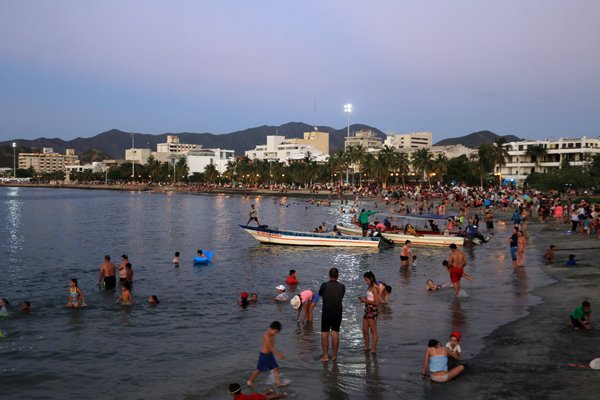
<point>125,298</point>
<point>3,310</point>
<point>176,258</point>
<point>453,345</point>
<point>243,300</point>
<point>153,300</point>
<point>571,261</point>
<point>549,255</point>
<point>266,357</point>
<point>432,287</point>
<point>76,297</point>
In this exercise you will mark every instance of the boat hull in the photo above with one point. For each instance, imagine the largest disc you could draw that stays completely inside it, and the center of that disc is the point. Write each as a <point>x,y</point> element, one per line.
<point>426,240</point>
<point>294,238</point>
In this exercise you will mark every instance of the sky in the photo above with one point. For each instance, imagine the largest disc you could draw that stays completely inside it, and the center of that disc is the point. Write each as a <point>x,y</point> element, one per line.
<point>71,68</point>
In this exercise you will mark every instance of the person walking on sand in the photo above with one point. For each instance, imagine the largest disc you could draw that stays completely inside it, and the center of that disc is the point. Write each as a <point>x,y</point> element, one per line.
<point>253,215</point>
<point>266,357</point>
<point>406,254</point>
<point>332,293</point>
<point>456,264</point>
<point>107,274</point>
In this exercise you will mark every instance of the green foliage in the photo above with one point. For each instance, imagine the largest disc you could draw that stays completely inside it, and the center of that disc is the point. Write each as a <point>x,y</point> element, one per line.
<point>578,178</point>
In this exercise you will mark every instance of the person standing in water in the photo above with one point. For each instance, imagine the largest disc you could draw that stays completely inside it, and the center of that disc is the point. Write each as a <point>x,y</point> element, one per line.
<point>371,301</point>
<point>122,269</point>
<point>332,293</point>
<point>456,264</point>
<point>406,254</point>
<point>107,274</point>
<point>76,297</point>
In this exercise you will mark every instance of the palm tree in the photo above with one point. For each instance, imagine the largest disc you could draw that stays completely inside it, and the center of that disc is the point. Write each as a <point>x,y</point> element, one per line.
<point>211,173</point>
<point>440,166</point>
<point>338,162</point>
<point>487,160</point>
<point>500,152</point>
<point>423,162</point>
<point>357,156</point>
<point>536,152</point>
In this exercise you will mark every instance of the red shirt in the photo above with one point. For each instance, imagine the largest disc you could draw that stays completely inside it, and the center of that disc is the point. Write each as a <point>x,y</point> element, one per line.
<point>291,280</point>
<point>253,396</point>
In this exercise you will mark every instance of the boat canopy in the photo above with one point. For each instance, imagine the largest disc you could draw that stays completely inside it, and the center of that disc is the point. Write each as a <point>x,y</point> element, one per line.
<point>424,217</point>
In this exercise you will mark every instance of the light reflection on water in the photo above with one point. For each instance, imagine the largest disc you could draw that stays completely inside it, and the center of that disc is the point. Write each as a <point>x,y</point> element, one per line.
<point>198,340</point>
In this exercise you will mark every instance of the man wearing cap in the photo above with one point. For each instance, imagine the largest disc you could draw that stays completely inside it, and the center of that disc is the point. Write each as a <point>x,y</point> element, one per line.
<point>236,393</point>
<point>332,293</point>
<point>281,294</point>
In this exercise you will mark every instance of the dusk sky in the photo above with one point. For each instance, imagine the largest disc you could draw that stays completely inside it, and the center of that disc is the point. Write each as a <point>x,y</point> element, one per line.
<point>452,67</point>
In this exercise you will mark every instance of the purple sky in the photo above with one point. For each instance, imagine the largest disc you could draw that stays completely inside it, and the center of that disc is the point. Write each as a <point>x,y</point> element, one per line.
<point>77,68</point>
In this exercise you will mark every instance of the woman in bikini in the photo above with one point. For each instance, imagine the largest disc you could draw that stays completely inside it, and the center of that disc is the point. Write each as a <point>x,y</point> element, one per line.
<point>371,300</point>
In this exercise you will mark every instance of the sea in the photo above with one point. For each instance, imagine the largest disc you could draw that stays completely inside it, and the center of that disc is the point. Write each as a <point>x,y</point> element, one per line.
<point>198,340</point>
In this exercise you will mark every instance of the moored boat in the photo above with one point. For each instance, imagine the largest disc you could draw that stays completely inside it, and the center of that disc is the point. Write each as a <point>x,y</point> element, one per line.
<point>419,240</point>
<point>296,238</point>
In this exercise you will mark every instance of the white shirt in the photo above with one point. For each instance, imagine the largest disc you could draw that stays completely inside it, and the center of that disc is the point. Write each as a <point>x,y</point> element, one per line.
<point>457,348</point>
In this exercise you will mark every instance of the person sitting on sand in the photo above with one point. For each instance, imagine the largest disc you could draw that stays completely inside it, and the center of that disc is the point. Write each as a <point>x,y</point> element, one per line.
<point>436,359</point>
<point>571,261</point>
<point>236,392</point>
<point>549,255</point>
<point>581,318</point>
<point>454,346</point>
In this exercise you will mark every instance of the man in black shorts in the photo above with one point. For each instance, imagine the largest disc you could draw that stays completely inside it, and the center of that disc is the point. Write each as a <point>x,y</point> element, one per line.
<point>332,293</point>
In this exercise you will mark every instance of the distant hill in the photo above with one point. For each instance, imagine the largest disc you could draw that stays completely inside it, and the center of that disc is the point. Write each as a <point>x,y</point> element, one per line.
<point>114,142</point>
<point>476,139</point>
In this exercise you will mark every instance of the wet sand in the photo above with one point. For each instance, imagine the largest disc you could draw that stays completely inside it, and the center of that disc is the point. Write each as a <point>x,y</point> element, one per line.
<point>528,358</point>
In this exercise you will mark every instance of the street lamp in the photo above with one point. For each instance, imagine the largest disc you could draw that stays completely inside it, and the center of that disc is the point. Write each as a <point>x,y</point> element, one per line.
<point>14,160</point>
<point>348,111</point>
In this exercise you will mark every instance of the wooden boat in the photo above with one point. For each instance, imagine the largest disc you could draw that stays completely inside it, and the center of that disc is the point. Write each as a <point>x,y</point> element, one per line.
<point>277,236</point>
<point>424,240</point>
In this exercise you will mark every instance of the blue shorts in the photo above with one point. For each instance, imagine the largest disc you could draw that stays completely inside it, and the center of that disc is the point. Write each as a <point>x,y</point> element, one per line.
<point>513,252</point>
<point>266,362</point>
<point>315,298</point>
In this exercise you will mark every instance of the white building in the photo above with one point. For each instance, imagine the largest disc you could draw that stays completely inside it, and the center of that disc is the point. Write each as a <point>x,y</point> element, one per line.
<point>365,138</point>
<point>139,156</point>
<point>453,151</point>
<point>47,160</point>
<point>95,166</point>
<point>174,146</point>
<point>415,140</point>
<point>578,152</point>
<point>279,149</point>
<point>197,160</point>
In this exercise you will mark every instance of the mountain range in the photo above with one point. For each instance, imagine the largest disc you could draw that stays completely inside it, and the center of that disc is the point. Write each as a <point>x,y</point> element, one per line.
<point>114,142</point>
<point>476,139</point>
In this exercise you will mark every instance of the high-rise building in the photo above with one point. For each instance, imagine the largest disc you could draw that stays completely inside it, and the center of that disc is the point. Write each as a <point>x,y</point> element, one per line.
<point>408,141</point>
<point>48,160</point>
<point>365,138</point>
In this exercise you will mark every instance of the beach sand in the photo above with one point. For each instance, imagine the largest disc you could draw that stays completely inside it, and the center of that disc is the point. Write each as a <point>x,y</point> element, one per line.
<point>528,358</point>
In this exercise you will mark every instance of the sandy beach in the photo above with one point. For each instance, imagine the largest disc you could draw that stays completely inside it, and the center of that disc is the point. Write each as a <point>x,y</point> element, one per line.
<point>528,358</point>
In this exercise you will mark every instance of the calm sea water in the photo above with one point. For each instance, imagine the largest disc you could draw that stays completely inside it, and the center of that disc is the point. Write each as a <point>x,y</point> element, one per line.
<point>198,340</point>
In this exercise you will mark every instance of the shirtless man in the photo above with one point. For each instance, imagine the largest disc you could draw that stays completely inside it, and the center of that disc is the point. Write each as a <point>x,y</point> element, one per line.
<point>122,270</point>
<point>107,274</point>
<point>457,262</point>
<point>406,254</point>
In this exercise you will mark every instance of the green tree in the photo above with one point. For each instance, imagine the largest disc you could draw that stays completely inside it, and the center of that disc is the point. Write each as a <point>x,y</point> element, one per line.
<point>440,166</point>
<point>422,162</point>
<point>486,155</point>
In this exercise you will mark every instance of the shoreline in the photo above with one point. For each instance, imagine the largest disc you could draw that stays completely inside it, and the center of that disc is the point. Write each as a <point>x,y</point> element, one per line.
<point>528,358</point>
<point>322,194</point>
